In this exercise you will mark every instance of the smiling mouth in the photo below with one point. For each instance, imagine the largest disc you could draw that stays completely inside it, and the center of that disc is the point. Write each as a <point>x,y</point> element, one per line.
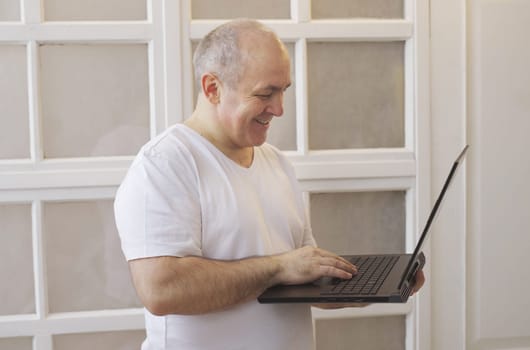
<point>263,122</point>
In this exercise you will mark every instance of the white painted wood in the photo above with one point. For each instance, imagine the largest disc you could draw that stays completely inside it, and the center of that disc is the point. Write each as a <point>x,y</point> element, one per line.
<point>109,171</point>
<point>410,121</point>
<point>302,105</point>
<point>43,342</point>
<point>36,149</point>
<point>188,102</point>
<point>78,32</point>
<point>35,179</point>
<point>449,105</point>
<point>419,124</point>
<point>60,179</point>
<point>96,321</point>
<point>173,63</point>
<point>334,170</point>
<point>72,322</point>
<point>83,175</point>
<point>373,310</point>
<point>31,11</point>
<point>39,262</point>
<point>360,185</point>
<point>93,177</point>
<point>498,171</point>
<point>301,10</point>
<point>57,194</point>
<point>158,122</point>
<point>327,30</point>
<point>66,163</point>
<point>480,96</point>
<point>374,154</point>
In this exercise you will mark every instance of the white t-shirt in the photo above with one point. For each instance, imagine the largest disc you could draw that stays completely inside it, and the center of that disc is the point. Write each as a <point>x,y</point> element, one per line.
<point>181,197</point>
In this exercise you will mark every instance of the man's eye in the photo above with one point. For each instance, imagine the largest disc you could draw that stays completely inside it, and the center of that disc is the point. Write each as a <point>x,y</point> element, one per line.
<point>264,96</point>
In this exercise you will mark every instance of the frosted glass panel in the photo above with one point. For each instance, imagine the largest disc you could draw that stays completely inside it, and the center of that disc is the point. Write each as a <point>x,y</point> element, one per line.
<point>85,266</point>
<point>14,120</point>
<point>95,99</point>
<point>374,333</point>
<point>94,10</point>
<point>282,133</point>
<point>359,222</point>
<point>9,11</point>
<point>17,290</point>
<point>125,340</point>
<point>210,9</point>
<point>356,95</point>
<point>21,343</point>
<point>357,8</point>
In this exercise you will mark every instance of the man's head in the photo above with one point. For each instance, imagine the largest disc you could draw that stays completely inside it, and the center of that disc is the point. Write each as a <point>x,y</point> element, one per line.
<point>223,51</point>
<point>242,70</point>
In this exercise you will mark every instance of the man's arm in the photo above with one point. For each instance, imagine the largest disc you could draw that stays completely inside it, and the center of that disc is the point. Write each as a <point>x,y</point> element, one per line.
<point>195,285</point>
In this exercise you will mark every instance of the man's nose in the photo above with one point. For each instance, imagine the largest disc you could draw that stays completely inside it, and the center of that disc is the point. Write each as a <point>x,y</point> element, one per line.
<point>276,106</point>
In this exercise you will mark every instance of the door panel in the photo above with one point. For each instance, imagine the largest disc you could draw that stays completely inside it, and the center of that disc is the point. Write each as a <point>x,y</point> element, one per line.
<point>499,173</point>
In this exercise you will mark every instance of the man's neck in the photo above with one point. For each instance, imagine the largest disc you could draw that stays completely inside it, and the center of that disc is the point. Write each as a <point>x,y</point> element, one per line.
<point>243,156</point>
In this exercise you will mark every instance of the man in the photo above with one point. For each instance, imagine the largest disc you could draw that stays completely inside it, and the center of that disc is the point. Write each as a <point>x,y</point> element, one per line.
<point>210,215</point>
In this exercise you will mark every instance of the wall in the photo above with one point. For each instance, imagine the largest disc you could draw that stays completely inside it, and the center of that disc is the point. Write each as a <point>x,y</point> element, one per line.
<point>481,96</point>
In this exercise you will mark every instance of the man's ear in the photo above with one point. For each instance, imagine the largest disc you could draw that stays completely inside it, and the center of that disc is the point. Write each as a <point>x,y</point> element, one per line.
<point>211,87</point>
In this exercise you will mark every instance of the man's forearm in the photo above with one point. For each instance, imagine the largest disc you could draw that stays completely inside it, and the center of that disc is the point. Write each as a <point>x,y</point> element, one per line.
<point>194,285</point>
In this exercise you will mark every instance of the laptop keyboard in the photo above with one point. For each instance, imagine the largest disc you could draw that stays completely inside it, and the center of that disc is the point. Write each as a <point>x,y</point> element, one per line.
<point>372,272</point>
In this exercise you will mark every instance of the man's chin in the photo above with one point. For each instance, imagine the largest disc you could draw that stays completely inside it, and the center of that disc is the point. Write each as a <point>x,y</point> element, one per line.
<point>258,140</point>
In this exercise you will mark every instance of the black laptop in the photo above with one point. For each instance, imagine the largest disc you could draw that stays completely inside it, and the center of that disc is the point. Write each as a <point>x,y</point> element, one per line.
<point>385,278</point>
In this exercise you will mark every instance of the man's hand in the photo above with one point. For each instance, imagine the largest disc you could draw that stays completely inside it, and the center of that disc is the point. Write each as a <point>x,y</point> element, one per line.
<point>419,281</point>
<point>309,263</point>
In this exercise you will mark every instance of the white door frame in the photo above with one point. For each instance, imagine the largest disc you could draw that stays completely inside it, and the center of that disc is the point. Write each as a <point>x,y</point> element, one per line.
<point>449,135</point>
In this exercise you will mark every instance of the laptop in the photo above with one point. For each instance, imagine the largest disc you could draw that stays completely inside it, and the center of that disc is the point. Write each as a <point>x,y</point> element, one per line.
<point>383,278</point>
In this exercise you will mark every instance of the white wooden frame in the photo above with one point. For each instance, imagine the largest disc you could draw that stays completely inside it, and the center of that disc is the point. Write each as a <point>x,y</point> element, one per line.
<point>460,115</point>
<point>450,110</point>
<point>167,31</point>
<point>38,179</point>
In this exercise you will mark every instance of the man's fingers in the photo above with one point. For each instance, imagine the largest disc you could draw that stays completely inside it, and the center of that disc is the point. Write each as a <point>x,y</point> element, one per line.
<point>309,263</point>
<point>337,268</point>
<point>335,265</point>
<point>419,281</point>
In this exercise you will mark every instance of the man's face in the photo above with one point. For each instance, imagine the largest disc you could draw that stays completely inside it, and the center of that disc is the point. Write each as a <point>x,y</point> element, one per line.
<point>246,111</point>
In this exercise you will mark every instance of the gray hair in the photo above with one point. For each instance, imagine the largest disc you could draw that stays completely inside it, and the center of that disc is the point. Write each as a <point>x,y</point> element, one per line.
<point>220,52</point>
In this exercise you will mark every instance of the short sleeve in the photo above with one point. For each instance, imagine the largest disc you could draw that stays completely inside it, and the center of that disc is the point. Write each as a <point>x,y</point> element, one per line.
<point>157,206</point>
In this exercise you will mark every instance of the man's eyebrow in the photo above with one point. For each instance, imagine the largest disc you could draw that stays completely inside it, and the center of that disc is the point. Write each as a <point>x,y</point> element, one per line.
<point>274,87</point>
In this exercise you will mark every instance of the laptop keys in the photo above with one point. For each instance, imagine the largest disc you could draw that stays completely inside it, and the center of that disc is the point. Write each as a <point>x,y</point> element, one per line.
<point>372,272</point>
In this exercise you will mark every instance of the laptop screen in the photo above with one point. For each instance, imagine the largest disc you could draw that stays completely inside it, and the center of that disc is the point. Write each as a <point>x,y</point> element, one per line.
<point>432,215</point>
